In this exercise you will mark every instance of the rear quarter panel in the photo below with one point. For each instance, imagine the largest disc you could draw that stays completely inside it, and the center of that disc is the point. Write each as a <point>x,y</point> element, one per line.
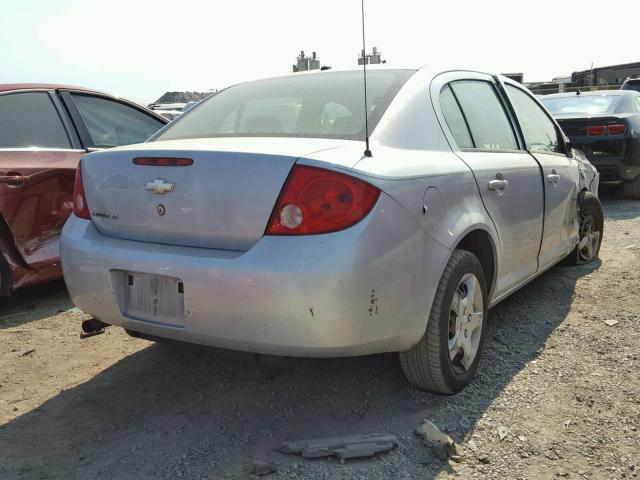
<point>414,164</point>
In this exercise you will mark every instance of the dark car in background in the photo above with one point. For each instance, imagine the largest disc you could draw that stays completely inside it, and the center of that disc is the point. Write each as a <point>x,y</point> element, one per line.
<point>605,125</point>
<point>44,130</point>
<point>631,84</point>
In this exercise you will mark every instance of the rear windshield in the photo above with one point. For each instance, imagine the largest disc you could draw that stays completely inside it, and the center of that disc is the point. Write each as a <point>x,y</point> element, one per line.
<point>322,105</point>
<point>587,104</point>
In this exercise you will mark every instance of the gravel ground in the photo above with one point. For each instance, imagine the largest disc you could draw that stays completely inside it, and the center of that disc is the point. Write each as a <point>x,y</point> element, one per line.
<point>559,381</point>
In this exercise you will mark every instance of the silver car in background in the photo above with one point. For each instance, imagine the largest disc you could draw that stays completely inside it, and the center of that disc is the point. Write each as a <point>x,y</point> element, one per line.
<point>256,221</point>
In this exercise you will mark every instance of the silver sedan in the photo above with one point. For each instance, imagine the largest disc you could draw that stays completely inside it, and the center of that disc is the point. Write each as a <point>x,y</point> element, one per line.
<point>258,222</point>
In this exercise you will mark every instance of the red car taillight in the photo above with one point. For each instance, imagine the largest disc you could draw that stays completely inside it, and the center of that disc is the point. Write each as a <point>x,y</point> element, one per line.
<point>314,200</point>
<point>596,131</point>
<point>80,208</point>
<point>616,129</point>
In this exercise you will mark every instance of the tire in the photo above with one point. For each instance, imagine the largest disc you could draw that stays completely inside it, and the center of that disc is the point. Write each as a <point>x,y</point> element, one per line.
<point>632,189</point>
<point>428,365</point>
<point>590,215</point>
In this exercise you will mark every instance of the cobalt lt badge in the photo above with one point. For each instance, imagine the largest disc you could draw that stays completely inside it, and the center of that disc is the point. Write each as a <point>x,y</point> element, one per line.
<point>161,210</point>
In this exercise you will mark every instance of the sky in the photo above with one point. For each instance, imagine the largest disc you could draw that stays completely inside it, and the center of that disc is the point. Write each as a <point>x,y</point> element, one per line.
<point>141,48</point>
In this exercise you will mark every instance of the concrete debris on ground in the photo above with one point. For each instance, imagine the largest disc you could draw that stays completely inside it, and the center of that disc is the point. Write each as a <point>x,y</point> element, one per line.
<point>502,432</point>
<point>442,444</point>
<point>345,447</point>
<point>262,469</point>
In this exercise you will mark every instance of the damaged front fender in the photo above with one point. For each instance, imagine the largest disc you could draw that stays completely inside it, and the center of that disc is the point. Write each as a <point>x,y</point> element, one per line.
<point>589,176</point>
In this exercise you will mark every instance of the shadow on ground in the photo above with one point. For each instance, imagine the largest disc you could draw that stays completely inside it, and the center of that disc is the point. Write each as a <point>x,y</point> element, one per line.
<point>616,207</point>
<point>170,411</point>
<point>33,303</point>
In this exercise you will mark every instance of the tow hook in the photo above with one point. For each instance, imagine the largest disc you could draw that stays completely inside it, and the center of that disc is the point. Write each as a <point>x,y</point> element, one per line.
<point>92,327</point>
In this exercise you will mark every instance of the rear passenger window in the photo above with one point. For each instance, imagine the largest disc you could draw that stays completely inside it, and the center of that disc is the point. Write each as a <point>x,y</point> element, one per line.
<point>539,131</point>
<point>488,122</point>
<point>112,124</point>
<point>30,119</point>
<point>455,119</point>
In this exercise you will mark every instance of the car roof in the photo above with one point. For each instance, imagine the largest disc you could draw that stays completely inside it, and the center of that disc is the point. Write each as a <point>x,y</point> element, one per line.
<point>615,93</point>
<point>428,69</point>
<point>7,87</point>
<point>330,71</point>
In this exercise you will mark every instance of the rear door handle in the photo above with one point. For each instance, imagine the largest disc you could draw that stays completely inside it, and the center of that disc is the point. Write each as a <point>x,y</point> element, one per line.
<point>553,178</point>
<point>498,184</point>
<point>13,180</point>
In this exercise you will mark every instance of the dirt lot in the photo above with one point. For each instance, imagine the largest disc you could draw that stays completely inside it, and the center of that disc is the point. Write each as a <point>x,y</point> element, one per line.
<point>563,383</point>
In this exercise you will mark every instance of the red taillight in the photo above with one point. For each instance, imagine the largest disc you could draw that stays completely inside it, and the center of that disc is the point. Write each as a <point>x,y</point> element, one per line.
<point>616,129</point>
<point>163,161</point>
<point>80,208</point>
<point>314,200</point>
<point>596,131</point>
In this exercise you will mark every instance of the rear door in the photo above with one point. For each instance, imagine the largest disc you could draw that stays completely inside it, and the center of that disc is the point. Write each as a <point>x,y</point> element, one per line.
<point>560,171</point>
<point>508,178</point>
<point>38,157</point>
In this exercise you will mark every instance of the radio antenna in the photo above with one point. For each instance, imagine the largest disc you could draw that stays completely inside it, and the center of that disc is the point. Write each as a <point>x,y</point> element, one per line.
<point>367,151</point>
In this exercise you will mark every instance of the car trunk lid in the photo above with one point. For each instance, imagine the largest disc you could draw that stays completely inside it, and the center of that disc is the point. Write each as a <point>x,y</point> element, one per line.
<point>577,126</point>
<point>222,200</point>
<point>594,135</point>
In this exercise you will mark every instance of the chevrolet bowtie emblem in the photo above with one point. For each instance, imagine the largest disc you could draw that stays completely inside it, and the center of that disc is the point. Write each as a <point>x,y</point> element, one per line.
<point>160,185</point>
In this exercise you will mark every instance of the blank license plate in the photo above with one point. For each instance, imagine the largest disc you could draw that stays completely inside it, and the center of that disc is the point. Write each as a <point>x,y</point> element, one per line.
<point>154,298</point>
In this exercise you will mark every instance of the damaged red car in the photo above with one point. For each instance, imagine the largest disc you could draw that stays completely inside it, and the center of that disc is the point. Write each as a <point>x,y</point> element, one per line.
<point>44,130</point>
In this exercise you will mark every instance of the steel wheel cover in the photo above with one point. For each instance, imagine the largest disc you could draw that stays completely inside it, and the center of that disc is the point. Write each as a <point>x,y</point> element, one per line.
<point>466,317</point>
<point>589,236</point>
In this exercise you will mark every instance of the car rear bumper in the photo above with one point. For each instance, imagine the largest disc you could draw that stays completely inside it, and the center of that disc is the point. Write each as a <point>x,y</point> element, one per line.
<point>617,161</point>
<point>367,289</point>
<point>611,168</point>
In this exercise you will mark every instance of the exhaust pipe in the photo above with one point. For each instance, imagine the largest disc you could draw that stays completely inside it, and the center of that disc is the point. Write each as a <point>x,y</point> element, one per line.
<point>92,327</point>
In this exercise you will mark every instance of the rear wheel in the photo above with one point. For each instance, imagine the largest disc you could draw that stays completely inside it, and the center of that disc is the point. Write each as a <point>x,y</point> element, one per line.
<point>632,189</point>
<point>591,227</point>
<point>447,356</point>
